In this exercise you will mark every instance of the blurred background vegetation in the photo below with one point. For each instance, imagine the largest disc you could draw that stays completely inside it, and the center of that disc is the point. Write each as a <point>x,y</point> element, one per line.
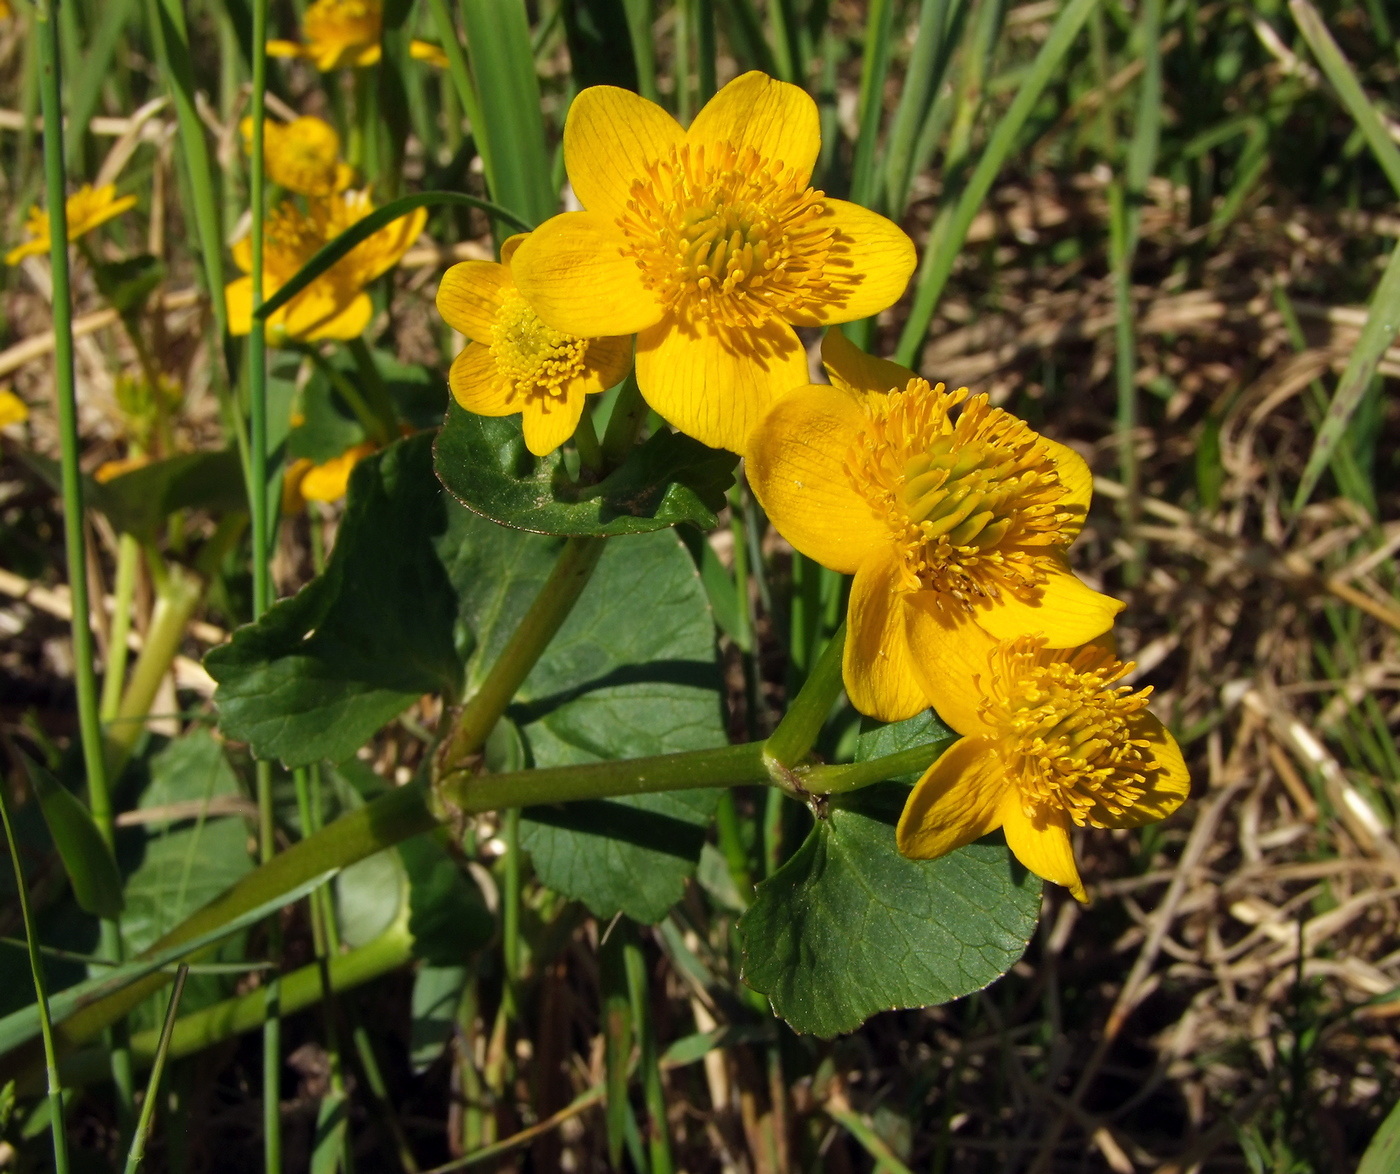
<point>1152,228</point>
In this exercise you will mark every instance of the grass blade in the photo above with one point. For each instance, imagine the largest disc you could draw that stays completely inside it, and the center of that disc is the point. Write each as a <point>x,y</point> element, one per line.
<point>1344,80</point>
<point>87,857</point>
<point>361,230</point>
<point>940,253</point>
<point>148,1106</point>
<point>1382,321</point>
<point>922,80</point>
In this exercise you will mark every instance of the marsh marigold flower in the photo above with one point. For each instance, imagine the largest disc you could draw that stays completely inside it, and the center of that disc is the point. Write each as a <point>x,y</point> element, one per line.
<point>305,480</point>
<point>709,245</point>
<point>346,33</point>
<point>302,155</point>
<point>953,524</point>
<point>515,363</point>
<point>335,305</point>
<point>1051,741</point>
<point>13,410</point>
<point>86,209</point>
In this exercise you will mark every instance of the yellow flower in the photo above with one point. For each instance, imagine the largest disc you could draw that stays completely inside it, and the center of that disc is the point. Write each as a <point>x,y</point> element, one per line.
<point>952,525</point>
<point>335,305</point>
<point>341,33</point>
<point>328,481</point>
<point>710,246</point>
<point>5,10</point>
<point>515,363</point>
<point>1050,740</point>
<point>109,470</point>
<point>13,410</point>
<point>86,209</point>
<point>302,155</point>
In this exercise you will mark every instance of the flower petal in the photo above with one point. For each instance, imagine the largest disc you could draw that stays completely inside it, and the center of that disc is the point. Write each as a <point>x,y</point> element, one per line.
<point>1078,484</point>
<point>777,120</point>
<point>610,137</point>
<point>573,273</point>
<point>869,265</point>
<point>957,801</point>
<point>878,665</point>
<point>316,315</point>
<point>1168,786</point>
<point>510,244</point>
<point>549,421</point>
<point>238,295</point>
<point>469,297</point>
<point>1066,612</point>
<point>1041,842</point>
<point>851,369</point>
<point>796,466</point>
<point>605,364</point>
<point>477,385</point>
<point>950,660</point>
<point>717,387</point>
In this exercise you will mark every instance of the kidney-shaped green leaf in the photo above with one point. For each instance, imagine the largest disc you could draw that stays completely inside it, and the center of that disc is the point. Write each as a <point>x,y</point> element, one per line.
<point>671,478</point>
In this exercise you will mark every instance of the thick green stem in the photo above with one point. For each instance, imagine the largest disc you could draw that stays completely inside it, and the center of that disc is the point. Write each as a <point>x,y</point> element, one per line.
<point>128,563</point>
<point>65,391</point>
<point>797,733</point>
<point>546,615</point>
<point>176,600</point>
<point>834,780</point>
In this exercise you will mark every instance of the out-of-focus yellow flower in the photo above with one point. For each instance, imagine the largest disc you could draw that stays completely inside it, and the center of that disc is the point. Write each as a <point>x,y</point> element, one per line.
<point>335,305</point>
<point>955,527</point>
<point>515,363</point>
<point>108,470</point>
<point>13,410</point>
<point>711,246</point>
<point>346,33</point>
<point>1050,741</point>
<point>302,155</point>
<point>307,481</point>
<point>5,10</point>
<point>86,209</point>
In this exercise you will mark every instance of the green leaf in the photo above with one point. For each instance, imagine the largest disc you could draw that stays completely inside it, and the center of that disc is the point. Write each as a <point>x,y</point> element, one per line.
<point>321,671</point>
<point>87,859</point>
<point>1382,1156</point>
<point>437,993</point>
<point>419,593</point>
<point>326,426</point>
<point>126,284</point>
<point>671,478</point>
<point>848,927</point>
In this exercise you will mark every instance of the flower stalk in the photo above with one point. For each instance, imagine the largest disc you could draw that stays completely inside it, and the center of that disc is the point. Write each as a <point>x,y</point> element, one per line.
<point>800,726</point>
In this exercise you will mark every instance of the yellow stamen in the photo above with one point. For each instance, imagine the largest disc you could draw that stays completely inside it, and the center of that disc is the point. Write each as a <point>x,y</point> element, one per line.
<point>975,503</point>
<point>728,235</point>
<point>1066,739</point>
<point>530,357</point>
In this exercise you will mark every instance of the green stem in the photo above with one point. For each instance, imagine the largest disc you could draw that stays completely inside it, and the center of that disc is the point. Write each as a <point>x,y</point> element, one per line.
<point>836,780</point>
<point>625,424</point>
<point>510,912</point>
<point>176,600</point>
<point>379,402</point>
<point>797,733</point>
<point>128,563</point>
<point>546,615</point>
<point>36,966</point>
<point>65,391</point>
<point>148,1106</point>
<point>648,1060</point>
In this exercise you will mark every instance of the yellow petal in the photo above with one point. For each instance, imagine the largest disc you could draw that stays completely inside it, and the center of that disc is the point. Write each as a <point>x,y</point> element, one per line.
<point>469,297</point>
<point>427,51</point>
<point>716,387</point>
<point>1167,787</point>
<point>1078,484</point>
<point>239,296</point>
<point>610,136</point>
<point>477,385</point>
<point>13,410</point>
<point>1042,842</point>
<point>1066,611</point>
<point>869,265</point>
<point>242,250</point>
<point>549,421</point>
<point>957,801</point>
<point>572,272</point>
<point>776,119</point>
<point>313,316</point>
<point>284,49</point>
<point>877,663</point>
<point>796,466</point>
<point>510,244</point>
<point>950,660</point>
<point>852,369</point>
<point>605,364</point>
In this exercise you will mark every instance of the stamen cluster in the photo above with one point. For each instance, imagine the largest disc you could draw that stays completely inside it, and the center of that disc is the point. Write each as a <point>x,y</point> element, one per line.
<point>723,232</point>
<point>1067,737</point>
<point>974,502</point>
<point>530,357</point>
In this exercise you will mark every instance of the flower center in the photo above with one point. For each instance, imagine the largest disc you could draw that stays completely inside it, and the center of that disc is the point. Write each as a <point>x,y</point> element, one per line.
<point>1067,738</point>
<point>290,239</point>
<point>530,356</point>
<point>350,22</point>
<point>975,504</point>
<point>727,235</point>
